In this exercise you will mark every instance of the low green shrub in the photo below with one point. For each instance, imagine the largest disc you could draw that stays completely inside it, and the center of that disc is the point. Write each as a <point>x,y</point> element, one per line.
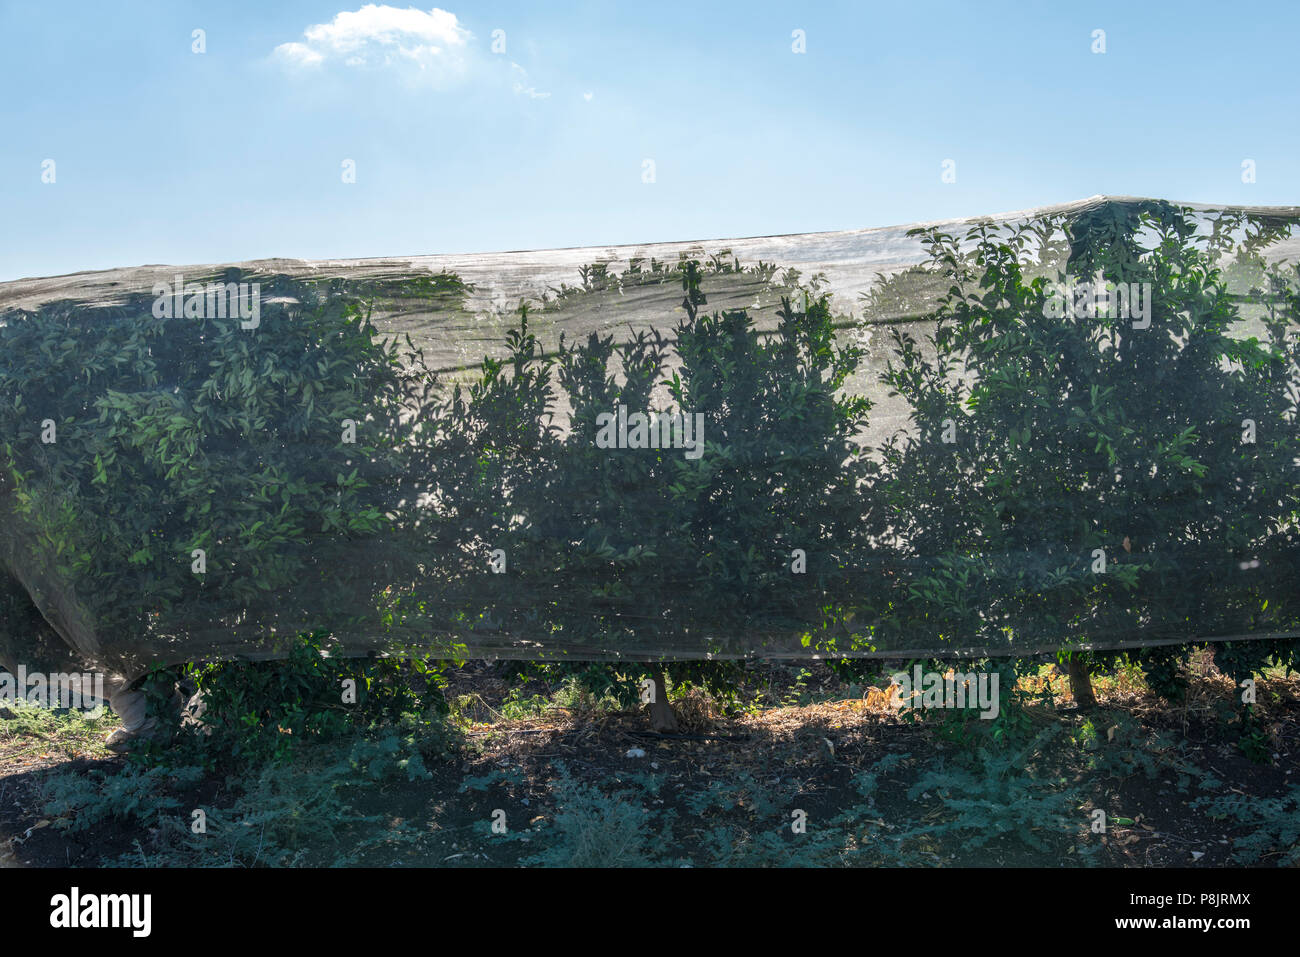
<point>263,710</point>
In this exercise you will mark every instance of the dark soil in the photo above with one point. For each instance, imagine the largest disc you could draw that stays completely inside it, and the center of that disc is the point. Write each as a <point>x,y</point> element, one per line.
<point>811,752</point>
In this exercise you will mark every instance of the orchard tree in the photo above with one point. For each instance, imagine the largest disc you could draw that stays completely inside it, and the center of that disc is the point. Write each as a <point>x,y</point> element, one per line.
<point>737,527</point>
<point>174,487</point>
<point>1079,472</point>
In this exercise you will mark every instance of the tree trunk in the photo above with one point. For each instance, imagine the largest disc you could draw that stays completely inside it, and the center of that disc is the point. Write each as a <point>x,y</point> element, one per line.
<point>1081,682</point>
<point>662,717</point>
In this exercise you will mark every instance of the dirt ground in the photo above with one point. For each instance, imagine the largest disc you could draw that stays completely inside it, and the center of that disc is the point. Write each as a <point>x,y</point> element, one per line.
<point>803,756</point>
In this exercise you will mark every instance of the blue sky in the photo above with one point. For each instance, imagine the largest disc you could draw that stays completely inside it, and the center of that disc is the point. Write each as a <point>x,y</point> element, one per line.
<point>164,155</point>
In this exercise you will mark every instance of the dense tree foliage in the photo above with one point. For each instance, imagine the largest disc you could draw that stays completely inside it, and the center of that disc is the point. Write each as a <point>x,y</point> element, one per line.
<point>1069,477</point>
<point>177,486</point>
<point>1078,476</point>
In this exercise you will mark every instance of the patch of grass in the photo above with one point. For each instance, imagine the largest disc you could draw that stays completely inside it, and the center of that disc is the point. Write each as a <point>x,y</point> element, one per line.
<point>275,816</point>
<point>27,729</point>
<point>1273,825</point>
<point>583,700</point>
<point>593,829</point>
<point>286,817</point>
<point>78,801</point>
<point>519,706</point>
<point>763,824</point>
<point>1001,792</point>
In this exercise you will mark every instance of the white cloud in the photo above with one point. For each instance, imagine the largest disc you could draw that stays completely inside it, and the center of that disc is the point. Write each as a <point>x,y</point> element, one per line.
<point>420,47</point>
<point>298,54</point>
<point>429,44</point>
<point>522,86</point>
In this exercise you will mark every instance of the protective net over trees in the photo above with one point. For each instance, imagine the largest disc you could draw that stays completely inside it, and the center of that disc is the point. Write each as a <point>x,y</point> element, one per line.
<point>1071,427</point>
